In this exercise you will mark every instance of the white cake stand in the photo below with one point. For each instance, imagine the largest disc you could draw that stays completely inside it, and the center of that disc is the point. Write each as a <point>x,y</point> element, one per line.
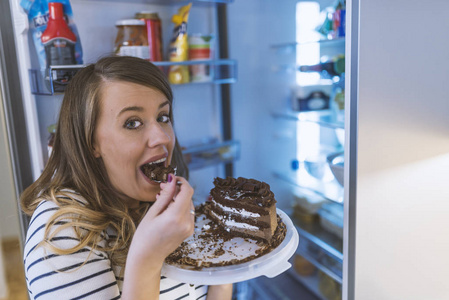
<point>269,265</point>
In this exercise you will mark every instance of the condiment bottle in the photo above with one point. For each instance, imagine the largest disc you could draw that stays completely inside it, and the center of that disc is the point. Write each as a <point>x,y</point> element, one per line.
<point>58,40</point>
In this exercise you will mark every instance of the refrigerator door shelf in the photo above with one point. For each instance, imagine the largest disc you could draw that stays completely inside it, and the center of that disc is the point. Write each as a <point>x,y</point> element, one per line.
<point>174,2</point>
<point>219,71</point>
<point>56,78</point>
<point>269,265</point>
<point>53,80</point>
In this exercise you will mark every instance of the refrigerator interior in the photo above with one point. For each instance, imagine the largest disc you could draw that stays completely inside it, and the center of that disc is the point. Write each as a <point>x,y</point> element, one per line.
<point>265,38</point>
<point>260,39</point>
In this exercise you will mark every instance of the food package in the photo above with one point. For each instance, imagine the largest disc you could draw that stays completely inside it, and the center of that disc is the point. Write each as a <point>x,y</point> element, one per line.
<point>302,266</point>
<point>37,11</point>
<point>331,218</point>
<point>179,47</point>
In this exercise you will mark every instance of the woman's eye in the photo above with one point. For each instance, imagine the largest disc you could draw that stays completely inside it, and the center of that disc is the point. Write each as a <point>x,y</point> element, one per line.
<point>164,119</point>
<point>133,124</point>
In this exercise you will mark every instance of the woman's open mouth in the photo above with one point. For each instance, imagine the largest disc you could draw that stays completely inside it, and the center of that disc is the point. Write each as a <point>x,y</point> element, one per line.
<point>157,171</point>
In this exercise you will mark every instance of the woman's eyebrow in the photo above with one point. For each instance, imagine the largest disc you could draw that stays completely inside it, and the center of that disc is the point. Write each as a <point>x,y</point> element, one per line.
<point>130,108</point>
<point>164,103</point>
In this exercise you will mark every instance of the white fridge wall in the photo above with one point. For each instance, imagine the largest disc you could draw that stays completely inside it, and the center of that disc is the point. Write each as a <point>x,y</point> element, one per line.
<point>401,198</point>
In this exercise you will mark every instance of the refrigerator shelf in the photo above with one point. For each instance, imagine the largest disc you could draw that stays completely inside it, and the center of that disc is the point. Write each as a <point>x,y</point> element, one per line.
<point>198,157</point>
<point>331,190</point>
<point>57,77</point>
<point>174,2</point>
<point>286,48</point>
<point>320,247</point>
<point>325,118</point>
<point>310,282</point>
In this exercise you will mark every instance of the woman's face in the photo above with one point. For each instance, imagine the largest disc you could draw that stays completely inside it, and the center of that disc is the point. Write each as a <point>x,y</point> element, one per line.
<point>133,129</point>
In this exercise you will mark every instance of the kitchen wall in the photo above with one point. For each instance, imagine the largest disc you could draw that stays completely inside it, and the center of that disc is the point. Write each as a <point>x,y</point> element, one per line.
<point>9,221</point>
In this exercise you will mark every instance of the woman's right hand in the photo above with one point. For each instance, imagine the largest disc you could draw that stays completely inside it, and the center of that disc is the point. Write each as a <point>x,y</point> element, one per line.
<point>167,223</point>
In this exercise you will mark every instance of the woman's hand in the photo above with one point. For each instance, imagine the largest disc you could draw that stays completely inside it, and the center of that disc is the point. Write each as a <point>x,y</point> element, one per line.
<point>167,223</point>
<point>170,217</point>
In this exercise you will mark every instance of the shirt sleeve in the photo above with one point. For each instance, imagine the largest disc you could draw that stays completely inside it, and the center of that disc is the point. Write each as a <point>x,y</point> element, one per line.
<point>84,274</point>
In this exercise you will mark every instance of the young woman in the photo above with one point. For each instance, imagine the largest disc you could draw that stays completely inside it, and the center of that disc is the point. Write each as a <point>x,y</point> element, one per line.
<point>100,228</point>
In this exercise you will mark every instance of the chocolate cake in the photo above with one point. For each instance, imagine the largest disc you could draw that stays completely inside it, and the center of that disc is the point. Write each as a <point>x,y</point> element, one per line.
<point>156,172</point>
<point>244,207</point>
<point>239,224</point>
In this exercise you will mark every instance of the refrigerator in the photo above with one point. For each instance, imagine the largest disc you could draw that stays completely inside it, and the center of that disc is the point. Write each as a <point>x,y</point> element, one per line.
<point>384,236</point>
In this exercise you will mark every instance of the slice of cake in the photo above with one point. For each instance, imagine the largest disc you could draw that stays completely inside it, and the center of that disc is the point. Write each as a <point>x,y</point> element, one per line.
<point>157,172</point>
<point>243,207</point>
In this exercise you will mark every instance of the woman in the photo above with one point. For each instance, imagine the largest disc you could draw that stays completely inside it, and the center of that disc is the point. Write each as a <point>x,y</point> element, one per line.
<point>94,211</point>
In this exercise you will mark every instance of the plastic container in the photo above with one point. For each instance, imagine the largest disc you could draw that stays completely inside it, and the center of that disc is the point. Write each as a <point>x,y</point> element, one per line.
<point>200,49</point>
<point>336,164</point>
<point>132,39</point>
<point>269,265</point>
<point>317,166</point>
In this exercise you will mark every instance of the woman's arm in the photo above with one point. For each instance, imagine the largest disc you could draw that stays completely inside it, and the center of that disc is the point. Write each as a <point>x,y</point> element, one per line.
<point>219,292</point>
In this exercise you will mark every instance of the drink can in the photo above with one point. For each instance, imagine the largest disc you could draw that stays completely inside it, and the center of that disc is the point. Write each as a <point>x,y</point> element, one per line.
<point>154,32</point>
<point>200,49</point>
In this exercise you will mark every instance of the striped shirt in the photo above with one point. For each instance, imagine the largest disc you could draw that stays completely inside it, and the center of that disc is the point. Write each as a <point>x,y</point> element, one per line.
<point>83,274</point>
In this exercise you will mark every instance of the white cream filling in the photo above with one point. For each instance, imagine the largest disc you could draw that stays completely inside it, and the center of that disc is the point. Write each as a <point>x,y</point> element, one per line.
<point>232,223</point>
<point>240,211</point>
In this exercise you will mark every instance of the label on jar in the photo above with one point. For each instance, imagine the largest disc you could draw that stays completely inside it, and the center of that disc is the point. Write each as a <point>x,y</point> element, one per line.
<point>137,51</point>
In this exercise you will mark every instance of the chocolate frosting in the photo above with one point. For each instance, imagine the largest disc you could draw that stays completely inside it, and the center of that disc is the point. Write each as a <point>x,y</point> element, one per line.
<point>243,189</point>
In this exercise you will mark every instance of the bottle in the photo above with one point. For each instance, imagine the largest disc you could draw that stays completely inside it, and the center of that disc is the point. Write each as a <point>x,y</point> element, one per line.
<point>334,67</point>
<point>154,33</point>
<point>58,40</point>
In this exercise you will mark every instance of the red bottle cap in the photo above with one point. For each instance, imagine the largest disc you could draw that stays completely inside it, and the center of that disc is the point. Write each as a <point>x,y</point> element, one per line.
<point>57,26</point>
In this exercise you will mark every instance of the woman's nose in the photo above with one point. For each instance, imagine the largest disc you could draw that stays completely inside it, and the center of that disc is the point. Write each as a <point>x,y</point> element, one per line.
<point>158,135</point>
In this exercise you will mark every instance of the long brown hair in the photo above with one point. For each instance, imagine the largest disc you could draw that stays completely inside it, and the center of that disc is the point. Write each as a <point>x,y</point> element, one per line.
<point>72,164</point>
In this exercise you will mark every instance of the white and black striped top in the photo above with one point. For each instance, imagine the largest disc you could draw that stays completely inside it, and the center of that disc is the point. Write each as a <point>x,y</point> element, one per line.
<point>80,275</point>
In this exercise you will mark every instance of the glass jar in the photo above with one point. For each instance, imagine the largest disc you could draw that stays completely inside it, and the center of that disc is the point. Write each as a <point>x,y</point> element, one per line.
<point>132,39</point>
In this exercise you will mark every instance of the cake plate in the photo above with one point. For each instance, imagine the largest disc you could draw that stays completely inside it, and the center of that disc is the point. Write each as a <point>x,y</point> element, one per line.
<point>269,265</point>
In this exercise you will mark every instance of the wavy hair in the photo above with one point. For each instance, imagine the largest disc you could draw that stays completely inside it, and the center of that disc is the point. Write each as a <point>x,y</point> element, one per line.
<point>72,164</point>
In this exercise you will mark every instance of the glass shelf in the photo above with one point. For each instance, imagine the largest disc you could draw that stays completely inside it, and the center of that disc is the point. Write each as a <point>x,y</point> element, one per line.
<point>175,2</point>
<point>311,282</point>
<point>222,71</point>
<point>291,47</point>
<point>198,157</point>
<point>330,190</point>
<point>320,247</point>
<point>325,118</point>
<point>57,77</point>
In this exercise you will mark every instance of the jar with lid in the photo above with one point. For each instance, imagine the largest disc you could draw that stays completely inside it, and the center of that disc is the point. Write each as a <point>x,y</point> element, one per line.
<point>132,38</point>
